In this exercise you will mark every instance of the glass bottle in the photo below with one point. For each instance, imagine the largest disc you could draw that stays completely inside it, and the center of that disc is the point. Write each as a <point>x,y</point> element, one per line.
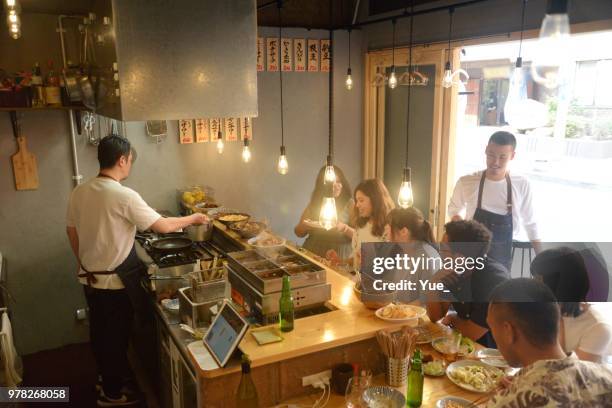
<point>38,92</point>
<point>414,394</point>
<point>247,393</point>
<point>52,87</point>
<point>286,306</point>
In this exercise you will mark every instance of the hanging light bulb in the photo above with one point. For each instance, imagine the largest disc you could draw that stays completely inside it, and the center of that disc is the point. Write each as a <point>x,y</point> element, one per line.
<point>330,173</point>
<point>220,144</point>
<point>12,17</point>
<point>283,165</point>
<point>405,198</point>
<point>246,151</point>
<point>11,3</point>
<point>392,78</point>
<point>328,216</point>
<point>447,81</point>
<point>551,58</point>
<point>349,80</point>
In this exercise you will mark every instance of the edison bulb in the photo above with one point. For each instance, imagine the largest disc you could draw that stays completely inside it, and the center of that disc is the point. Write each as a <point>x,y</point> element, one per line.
<point>283,165</point>
<point>10,3</point>
<point>517,93</point>
<point>349,82</point>
<point>447,81</point>
<point>552,50</point>
<point>392,80</point>
<point>220,145</point>
<point>405,197</point>
<point>246,154</point>
<point>330,174</point>
<point>328,217</point>
<point>12,17</point>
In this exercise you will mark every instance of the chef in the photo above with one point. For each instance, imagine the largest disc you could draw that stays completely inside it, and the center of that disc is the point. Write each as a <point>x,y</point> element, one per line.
<point>102,220</point>
<point>499,200</point>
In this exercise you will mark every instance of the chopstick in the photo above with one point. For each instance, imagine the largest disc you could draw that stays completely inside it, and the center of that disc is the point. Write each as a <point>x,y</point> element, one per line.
<point>398,345</point>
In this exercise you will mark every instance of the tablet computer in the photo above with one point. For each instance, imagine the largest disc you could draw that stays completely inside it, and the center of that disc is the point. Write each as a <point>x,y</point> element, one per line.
<point>225,333</point>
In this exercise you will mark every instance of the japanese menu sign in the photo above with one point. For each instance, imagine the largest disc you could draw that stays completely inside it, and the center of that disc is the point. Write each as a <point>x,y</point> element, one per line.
<point>313,55</point>
<point>202,130</point>
<point>273,54</point>
<point>261,50</point>
<point>231,129</point>
<point>325,55</point>
<point>215,126</point>
<point>246,129</point>
<point>299,52</point>
<point>287,54</point>
<point>186,131</point>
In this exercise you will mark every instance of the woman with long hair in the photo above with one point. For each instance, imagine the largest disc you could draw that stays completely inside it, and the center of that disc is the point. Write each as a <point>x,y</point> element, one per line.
<point>584,330</point>
<point>319,240</point>
<point>372,204</point>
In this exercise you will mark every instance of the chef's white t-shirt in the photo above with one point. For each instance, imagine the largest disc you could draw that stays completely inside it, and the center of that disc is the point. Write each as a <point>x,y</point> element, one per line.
<point>106,216</point>
<point>495,199</point>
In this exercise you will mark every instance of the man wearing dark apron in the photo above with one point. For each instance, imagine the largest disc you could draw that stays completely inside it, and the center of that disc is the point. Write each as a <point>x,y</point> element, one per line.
<point>102,220</point>
<point>500,201</point>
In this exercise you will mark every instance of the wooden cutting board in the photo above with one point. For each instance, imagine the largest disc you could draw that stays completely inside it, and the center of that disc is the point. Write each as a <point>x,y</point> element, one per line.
<point>24,167</point>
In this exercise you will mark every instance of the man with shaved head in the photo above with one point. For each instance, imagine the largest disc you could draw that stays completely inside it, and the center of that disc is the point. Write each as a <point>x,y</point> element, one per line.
<point>524,319</point>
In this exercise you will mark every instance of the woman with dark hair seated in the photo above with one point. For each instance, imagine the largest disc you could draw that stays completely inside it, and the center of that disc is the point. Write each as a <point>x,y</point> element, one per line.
<point>583,330</point>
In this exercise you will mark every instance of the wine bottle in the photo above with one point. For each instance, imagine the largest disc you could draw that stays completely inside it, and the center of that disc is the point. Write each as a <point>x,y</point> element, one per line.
<point>247,393</point>
<point>414,394</point>
<point>38,92</point>
<point>286,306</point>
<point>52,87</point>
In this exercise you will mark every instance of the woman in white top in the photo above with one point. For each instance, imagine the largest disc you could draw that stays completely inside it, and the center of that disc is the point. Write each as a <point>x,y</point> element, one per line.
<point>583,329</point>
<point>372,204</point>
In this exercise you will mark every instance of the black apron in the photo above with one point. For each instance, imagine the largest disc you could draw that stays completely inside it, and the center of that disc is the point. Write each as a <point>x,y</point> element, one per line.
<point>499,225</point>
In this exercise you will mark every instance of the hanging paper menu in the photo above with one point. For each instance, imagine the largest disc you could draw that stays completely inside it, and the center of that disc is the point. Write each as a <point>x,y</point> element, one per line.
<point>246,129</point>
<point>272,54</point>
<point>325,55</point>
<point>299,48</point>
<point>186,131</point>
<point>215,125</point>
<point>202,130</point>
<point>313,55</point>
<point>261,49</point>
<point>231,130</point>
<point>287,54</point>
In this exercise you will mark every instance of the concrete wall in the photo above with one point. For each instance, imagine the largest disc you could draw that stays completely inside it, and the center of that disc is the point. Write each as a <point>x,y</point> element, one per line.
<point>41,267</point>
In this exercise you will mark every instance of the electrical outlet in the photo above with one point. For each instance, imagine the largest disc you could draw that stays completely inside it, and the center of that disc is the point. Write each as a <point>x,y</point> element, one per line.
<point>322,377</point>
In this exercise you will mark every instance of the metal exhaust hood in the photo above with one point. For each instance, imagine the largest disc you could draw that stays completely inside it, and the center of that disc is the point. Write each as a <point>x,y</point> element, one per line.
<point>174,59</point>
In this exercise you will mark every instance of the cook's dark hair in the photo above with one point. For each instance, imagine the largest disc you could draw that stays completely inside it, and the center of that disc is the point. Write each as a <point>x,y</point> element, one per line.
<point>316,198</point>
<point>381,202</point>
<point>532,306</point>
<point>468,238</point>
<point>111,148</point>
<point>503,138</point>
<point>563,270</point>
<point>411,218</point>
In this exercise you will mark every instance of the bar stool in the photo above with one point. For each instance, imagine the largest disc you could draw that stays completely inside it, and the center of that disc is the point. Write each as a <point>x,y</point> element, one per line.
<point>523,246</point>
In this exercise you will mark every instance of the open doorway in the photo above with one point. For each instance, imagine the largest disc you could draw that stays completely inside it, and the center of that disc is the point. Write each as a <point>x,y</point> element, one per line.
<point>565,144</point>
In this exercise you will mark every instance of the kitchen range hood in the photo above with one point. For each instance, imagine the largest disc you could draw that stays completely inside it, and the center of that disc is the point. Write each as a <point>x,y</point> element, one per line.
<point>181,59</point>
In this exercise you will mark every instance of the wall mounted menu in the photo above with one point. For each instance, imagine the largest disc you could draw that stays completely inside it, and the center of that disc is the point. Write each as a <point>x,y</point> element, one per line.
<point>202,130</point>
<point>215,126</point>
<point>272,54</point>
<point>313,55</point>
<point>261,51</point>
<point>287,54</point>
<point>186,131</point>
<point>299,48</point>
<point>231,129</point>
<point>325,55</point>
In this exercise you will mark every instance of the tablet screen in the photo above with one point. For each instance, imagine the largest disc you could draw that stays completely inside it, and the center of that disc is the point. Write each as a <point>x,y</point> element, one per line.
<point>224,334</point>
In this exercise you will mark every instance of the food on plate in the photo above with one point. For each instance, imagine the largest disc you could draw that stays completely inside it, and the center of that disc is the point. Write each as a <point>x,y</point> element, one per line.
<point>478,377</point>
<point>393,311</point>
<point>453,404</point>
<point>434,368</point>
<point>233,217</point>
<point>443,345</point>
<point>265,240</point>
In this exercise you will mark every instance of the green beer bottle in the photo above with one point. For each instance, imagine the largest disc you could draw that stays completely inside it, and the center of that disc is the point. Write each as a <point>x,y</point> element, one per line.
<point>246,397</point>
<point>414,394</point>
<point>286,306</point>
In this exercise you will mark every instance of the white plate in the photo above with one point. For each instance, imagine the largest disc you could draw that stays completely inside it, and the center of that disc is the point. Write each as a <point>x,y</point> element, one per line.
<point>419,312</point>
<point>464,363</point>
<point>463,347</point>
<point>488,353</point>
<point>464,403</point>
<point>496,362</point>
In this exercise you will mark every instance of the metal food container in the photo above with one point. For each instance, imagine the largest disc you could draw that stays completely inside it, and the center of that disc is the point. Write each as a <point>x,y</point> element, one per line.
<point>196,314</point>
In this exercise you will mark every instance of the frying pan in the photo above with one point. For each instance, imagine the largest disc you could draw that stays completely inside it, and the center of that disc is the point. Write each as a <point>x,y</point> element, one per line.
<point>173,244</point>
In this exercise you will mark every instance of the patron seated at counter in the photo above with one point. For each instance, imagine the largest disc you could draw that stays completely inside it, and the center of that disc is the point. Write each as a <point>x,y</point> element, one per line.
<point>469,284</point>
<point>524,320</point>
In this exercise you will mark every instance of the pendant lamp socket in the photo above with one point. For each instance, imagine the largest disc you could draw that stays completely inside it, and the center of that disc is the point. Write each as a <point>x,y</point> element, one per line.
<point>557,7</point>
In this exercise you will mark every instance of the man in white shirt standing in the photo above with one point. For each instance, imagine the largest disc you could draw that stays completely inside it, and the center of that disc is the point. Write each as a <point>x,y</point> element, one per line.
<point>499,200</point>
<point>102,220</point>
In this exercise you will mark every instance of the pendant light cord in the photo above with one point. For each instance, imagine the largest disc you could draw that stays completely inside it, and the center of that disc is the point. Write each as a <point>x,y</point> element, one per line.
<point>280,70</point>
<point>331,84</point>
<point>451,11</point>
<point>522,28</point>
<point>349,46</point>
<point>409,79</point>
<point>394,21</point>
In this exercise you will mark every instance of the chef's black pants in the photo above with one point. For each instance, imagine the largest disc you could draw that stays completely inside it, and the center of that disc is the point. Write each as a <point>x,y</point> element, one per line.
<point>110,321</point>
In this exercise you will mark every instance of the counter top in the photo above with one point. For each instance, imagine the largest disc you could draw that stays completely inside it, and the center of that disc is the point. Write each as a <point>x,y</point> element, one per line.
<point>350,323</point>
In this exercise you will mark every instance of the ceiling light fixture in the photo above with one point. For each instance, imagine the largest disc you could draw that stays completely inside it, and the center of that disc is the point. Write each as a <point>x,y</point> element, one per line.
<point>451,78</point>
<point>392,76</point>
<point>283,165</point>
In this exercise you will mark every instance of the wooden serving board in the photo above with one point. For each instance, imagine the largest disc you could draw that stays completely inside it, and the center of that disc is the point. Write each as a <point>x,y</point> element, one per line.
<point>24,167</point>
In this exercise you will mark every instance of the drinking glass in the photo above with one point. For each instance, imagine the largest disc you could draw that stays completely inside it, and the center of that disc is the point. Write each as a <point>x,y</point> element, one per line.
<point>355,388</point>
